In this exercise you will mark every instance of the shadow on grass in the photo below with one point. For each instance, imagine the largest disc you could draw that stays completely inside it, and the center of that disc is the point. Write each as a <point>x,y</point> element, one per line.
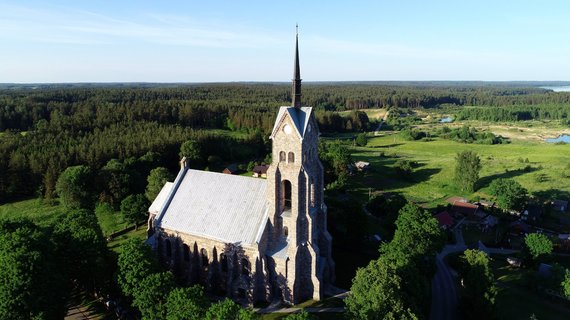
<point>485,181</point>
<point>552,194</point>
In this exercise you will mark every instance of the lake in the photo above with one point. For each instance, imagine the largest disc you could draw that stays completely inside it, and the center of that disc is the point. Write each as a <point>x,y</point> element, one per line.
<point>563,138</point>
<point>558,89</point>
<point>446,120</point>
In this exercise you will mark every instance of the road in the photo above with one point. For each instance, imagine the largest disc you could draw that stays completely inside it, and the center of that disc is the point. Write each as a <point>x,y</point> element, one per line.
<point>444,295</point>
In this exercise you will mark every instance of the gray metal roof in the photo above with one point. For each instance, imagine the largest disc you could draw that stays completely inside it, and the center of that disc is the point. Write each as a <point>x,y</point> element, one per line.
<point>160,198</point>
<point>300,119</point>
<point>218,206</point>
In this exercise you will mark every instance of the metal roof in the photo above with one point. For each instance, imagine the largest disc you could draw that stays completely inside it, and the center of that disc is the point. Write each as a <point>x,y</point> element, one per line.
<point>218,206</point>
<point>160,198</point>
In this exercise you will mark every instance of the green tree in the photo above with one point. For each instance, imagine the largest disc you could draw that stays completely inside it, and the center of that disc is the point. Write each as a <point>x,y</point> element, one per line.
<point>152,293</point>
<point>134,208</point>
<point>361,140</point>
<point>509,193</point>
<point>404,168</point>
<point>117,181</point>
<point>537,245</point>
<point>478,291</point>
<point>80,244</point>
<point>32,284</point>
<point>228,310</point>
<point>192,150</point>
<point>74,187</point>
<point>376,293</point>
<point>566,284</point>
<point>303,315</point>
<point>467,169</point>
<point>156,180</point>
<point>136,261</point>
<point>187,304</point>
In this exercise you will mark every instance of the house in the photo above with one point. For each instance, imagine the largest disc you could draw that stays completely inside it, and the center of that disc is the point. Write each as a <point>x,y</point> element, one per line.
<point>486,203</point>
<point>231,169</point>
<point>465,209</point>
<point>532,213</point>
<point>260,171</point>
<point>253,240</point>
<point>361,165</point>
<point>444,219</point>
<point>560,205</point>
<point>455,199</point>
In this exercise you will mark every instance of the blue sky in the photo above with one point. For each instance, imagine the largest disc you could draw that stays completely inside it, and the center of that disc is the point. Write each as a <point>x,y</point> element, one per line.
<point>216,41</point>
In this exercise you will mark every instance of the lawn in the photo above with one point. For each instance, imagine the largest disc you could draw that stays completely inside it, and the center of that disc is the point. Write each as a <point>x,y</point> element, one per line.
<point>45,214</point>
<point>34,209</point>
<point>432,180</point>
<point>515,301</point>
<point>117,242</point>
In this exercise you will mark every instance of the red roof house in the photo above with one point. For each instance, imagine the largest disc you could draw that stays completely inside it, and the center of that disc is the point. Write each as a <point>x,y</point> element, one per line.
<point>445,220</point>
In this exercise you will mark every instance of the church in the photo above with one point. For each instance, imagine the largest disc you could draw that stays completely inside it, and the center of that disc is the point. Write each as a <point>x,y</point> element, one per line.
<point>252,239</point>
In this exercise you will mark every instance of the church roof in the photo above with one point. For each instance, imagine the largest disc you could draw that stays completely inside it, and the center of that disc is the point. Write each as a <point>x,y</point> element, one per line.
<point>160,198</point>
<point>299,116</point>
<point>218,206</point>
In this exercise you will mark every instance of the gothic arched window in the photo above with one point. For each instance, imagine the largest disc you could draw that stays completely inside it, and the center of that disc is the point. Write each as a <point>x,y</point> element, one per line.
<point>186,252</point>
<point>224,262</point>
<point>204,254</point>
<point>286,194</point>
<point>291,158</point>
<point>286,231</point>
<point>282,156</point>
<point>245,267</point>
<point>168,248</point>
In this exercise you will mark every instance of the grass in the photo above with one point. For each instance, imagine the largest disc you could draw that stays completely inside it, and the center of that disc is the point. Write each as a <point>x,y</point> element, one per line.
<point>373,114</point>
<point>515,301</point>
<point>432,180</point>
<point>117,242</point>
<point>34,209</point>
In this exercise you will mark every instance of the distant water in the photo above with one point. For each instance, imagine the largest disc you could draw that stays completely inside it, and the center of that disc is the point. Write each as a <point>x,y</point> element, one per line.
<point>446,120</point>
<point>558,89</point>
<point>563,138</point>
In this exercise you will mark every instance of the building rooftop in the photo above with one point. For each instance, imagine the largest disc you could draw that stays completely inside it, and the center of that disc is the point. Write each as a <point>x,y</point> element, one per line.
<point>218,206</point>
<point>161,198</point>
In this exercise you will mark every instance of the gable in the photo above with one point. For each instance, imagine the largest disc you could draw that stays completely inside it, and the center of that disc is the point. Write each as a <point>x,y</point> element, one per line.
<point>299,119</point>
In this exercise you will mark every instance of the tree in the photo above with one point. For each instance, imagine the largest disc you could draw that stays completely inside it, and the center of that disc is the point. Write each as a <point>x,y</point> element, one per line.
<point>117,181</point>
<point>376,294</point>
<point>361,140</point>
<point>192,150</point>
<point>303,315</point>
<point>228,310</point>
<point>134,208</point>
<point>74,187</point>
<point>537,245</point>
<point>136,261</point>
<point>156,180</point>
<point>566,284</point>
<point>467,169</point>
<point>479,291</point>
<point>32,284</point>
<point>151,295</point>
<point>187,304</point>
<point>509,193</point>
<point>80,244</point>
<point>404,168</point>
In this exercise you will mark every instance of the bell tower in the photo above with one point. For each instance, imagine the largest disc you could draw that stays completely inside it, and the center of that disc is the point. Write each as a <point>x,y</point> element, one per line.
<point>299,240</point>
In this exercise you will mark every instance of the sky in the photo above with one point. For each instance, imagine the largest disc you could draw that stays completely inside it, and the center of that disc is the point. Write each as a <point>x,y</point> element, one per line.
<point>222,41</point>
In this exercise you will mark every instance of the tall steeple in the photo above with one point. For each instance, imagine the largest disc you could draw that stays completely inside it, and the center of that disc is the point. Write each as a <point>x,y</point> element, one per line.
<point>296,94</point>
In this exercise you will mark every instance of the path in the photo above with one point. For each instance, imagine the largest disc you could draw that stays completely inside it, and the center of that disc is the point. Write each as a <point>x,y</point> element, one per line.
<point>377,132</point>
<point>444,299</point>
<point>80,309</point>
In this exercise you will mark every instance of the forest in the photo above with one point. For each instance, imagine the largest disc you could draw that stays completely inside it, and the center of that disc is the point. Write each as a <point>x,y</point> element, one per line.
<point>46,128</point>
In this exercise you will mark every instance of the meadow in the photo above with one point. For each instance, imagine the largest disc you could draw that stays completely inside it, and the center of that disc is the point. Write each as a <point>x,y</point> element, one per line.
<point>544,174</point>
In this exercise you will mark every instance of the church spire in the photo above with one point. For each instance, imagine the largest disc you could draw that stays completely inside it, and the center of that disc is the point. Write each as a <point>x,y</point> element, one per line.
<point>296,92</point>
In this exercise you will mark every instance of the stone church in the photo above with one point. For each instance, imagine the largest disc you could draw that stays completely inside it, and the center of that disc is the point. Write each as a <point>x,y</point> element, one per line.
<point>247,238</point>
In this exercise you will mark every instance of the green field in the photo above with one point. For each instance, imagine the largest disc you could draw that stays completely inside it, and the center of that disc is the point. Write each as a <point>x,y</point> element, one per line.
<point>46,214</point>
<point>432,180</point>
